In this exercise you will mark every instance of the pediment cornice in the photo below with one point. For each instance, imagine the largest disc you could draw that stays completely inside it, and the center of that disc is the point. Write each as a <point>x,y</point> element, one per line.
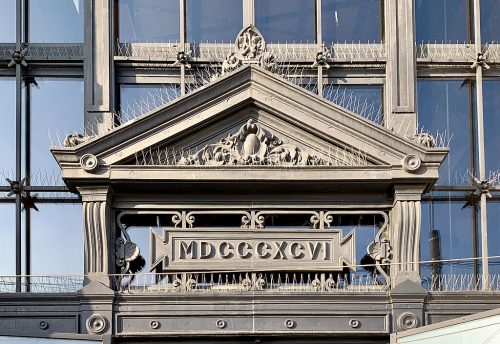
<point>285,103</point>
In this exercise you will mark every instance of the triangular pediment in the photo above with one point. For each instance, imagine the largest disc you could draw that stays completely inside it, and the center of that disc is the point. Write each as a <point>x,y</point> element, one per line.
<point>270,123</point>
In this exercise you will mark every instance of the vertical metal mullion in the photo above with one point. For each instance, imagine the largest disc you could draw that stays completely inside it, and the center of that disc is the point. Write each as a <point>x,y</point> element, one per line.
<point>473,159</point>
<point>480,146</point>
<point>18,143</point>
<point>319,42</point>
<point>248,12</point>
<point>27,157</point>
<point>182,34</point>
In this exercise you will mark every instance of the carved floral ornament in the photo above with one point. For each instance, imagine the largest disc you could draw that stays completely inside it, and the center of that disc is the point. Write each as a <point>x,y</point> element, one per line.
<point>252,145</point>
<point>250,49</point>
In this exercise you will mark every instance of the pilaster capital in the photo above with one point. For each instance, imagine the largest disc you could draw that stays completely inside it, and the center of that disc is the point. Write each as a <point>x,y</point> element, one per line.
<point>408,192</point>
<point>96,193</point>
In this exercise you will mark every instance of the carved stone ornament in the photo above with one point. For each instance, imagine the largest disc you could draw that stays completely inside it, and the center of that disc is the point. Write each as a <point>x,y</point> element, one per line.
<point>250,42</point>
<point>89,162</point>
<point>411,163</point>
<point>424,139</point>
<point>74,140</point>
<point>252,145</point>
<point>407,321</point>
<point>250,48</point>
<point>97,324</point>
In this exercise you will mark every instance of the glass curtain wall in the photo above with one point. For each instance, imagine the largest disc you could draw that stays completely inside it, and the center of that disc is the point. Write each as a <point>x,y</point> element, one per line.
<point>454,223</point>
<point>48,105</point>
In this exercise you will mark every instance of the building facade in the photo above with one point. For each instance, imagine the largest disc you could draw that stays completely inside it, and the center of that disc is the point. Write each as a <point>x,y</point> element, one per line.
<point>309,170</point>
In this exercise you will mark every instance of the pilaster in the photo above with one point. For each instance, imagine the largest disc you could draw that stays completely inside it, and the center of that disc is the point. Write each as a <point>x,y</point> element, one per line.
<point>401,66</point>
<point>98,66</point>
<point>99,234</point>
<point>405,223</point>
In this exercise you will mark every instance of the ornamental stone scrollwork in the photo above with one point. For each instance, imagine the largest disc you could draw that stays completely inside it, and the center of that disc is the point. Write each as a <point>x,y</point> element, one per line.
<point>380,251</point>
<point>97,324</point>
<point>252,145</point>
<point>250,48</point>
<point>250,43</point>
<point>424,139</point>
<point>74,140</point>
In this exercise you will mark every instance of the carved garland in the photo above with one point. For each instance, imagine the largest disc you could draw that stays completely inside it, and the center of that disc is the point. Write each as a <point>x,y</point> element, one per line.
<point>252,145</point>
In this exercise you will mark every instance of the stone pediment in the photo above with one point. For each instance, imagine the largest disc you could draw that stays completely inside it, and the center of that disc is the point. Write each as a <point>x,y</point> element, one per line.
<point>252,120</point>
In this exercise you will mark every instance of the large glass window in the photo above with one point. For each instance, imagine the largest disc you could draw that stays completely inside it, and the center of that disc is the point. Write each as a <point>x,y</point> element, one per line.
<point>148,20</point>
<point>490,17</point>
<point>351,21</point>
<point>7,239</point>
<point>281,21</point>
<point>364,100</point>
<point>61,21</point>
<point>8,21</point>
<point>442,21</point>
<point>8,127</point>
<point>494,235</point>
<point>57,240</point>
<point>137,99</point>
<point>447,233</point>
<point>56,111</point>
<point>445,108</point>
<point>491,104</point>
<point>214,20</point>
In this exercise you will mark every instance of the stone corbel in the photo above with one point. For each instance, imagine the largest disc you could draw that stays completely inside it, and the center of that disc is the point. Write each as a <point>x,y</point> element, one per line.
<point>405,223</point>
<point>99,234</point>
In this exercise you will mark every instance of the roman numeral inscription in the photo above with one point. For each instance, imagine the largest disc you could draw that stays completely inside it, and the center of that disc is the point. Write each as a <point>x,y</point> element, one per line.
<point>246,250</point>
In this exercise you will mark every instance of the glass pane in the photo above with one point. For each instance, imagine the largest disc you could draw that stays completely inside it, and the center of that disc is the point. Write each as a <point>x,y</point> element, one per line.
<point>8,128</point>
<point>351,21</point>
<point>214,20</point>
<point>57,240</point>
<point>494,236</point>
<point>56,111</point>
<point>444,107</point>
<point>365,100</point>
<point>491,104</point>
<point>7,239</point>
<point>136,100</point>
<point>60,22</point>
<point>442,21</point>
<point>148,20</point>
<point>490,17</point>
<point>291,21</point>
<point>8,21</point>
<point>446,233</point>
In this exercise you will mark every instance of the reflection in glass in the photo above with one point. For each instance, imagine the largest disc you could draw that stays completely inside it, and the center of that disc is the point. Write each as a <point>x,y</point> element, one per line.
<point>442,21</point>
<point>214,20</point>
<point>494,236</point>
<point>8,128</point>
<point>59,22</point>
<point>291,21</point>
<point>8,21</point>
<point>444,106</point>
<point>365,100</point>
<point>491,104</point>
<point>7,239</point>
<point>148,20</point>
<point>134,96</point>
<point>56,111</point>
<point>351,21</point>
<point>490,17</point>
<point>452,224</point>
<point>57,240</point>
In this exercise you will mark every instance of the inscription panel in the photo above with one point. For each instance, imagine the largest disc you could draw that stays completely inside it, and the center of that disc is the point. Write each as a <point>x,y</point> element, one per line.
<point>251,250</point>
